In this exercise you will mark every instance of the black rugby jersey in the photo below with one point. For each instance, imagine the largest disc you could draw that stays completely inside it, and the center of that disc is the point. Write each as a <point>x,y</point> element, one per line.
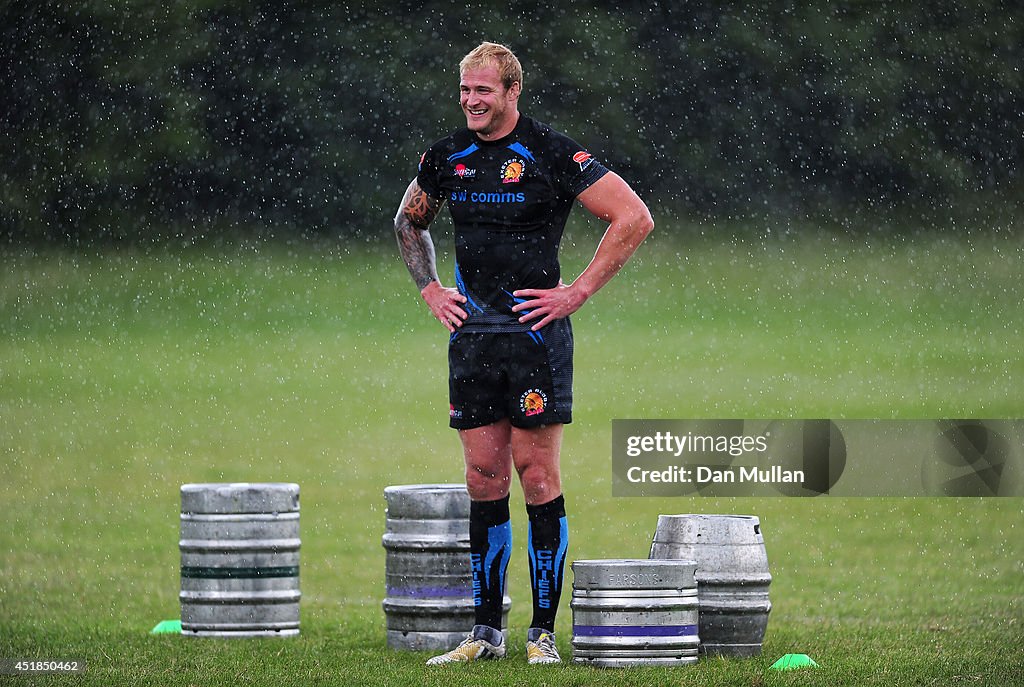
<point>509,200</point>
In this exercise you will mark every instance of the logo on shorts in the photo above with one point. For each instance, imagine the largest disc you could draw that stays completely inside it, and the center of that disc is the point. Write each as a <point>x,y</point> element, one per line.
<point>512,171</point>
<point>532,402</point>
<point>453,412</point>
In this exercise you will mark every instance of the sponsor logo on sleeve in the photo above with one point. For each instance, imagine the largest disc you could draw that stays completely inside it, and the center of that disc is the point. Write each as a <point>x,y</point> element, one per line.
<point>583,159</point>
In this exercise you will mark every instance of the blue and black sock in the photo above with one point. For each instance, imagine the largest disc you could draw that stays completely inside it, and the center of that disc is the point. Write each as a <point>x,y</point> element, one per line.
<point>549,539</point>
<point>490,547</point>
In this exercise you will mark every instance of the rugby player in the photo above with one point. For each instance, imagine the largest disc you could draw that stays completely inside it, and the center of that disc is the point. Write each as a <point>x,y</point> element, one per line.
<point>510,182</point>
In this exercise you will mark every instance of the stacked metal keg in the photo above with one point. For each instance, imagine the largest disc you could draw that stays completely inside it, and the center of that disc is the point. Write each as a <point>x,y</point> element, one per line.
<point>633,612</point>
<point>429,602</point>
<point>240,560</point>
<point>732,577</point>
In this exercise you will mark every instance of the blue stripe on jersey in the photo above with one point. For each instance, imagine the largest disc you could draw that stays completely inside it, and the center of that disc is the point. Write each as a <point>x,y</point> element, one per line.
<point>517,300</point>
<point>536,336</point>
<point>521,149</point>
<point>473,147</point>
<point>464,291</point>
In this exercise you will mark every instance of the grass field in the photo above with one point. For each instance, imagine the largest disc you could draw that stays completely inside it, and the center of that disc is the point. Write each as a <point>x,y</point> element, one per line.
<point>124,374</point>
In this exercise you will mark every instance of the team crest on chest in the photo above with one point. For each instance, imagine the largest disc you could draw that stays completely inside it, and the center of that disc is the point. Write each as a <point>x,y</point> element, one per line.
<point>512,171</point>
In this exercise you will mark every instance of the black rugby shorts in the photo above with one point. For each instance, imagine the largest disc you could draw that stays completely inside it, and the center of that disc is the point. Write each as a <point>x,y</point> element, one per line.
<point>524,376</point>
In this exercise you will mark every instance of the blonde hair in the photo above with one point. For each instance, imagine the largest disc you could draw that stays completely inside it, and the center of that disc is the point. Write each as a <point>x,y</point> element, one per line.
<point>487,54</point>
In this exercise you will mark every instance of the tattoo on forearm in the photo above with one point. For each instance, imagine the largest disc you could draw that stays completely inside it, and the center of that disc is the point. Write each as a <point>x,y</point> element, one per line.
<point>417,248</point>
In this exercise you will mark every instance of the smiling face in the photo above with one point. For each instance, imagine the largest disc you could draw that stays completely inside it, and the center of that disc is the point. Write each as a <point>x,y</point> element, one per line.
<point>491,109</point>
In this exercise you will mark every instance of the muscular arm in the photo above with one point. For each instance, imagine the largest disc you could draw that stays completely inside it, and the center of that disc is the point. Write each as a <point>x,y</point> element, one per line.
<point>630,222</point>
<point>611,199</point>
<point>414,216</point>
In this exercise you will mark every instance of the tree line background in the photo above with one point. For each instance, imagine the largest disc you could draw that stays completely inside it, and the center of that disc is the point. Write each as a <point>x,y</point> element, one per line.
<point>142,121</point>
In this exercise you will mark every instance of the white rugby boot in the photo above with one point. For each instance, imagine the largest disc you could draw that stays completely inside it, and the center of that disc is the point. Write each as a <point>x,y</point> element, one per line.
<point>478,646</point>
<point>540,647</point>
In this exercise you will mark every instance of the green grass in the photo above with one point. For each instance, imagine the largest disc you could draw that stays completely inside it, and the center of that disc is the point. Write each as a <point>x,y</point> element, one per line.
<point>126,374</point>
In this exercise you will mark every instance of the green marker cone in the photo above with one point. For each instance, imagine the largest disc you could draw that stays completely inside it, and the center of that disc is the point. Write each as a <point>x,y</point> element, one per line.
<point>793,662</point>
<point>165,627</point>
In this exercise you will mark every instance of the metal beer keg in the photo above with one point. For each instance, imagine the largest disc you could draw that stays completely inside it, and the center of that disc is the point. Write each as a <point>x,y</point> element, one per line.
<point>240,560</point>
<point>429,601</point>
<point>732,577</point>
<point>634,612</point>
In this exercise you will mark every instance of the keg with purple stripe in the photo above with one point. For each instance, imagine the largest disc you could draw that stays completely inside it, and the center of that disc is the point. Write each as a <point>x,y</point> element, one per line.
<point>429,594</point>
<point>634,612</point>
